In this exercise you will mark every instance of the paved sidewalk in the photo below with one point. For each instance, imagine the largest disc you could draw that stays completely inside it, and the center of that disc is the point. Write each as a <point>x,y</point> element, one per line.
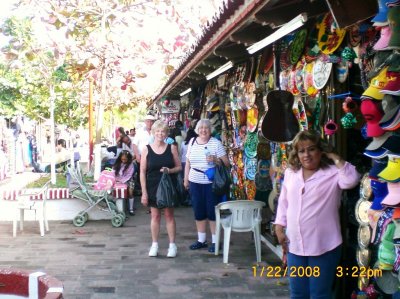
<point>100,261</point>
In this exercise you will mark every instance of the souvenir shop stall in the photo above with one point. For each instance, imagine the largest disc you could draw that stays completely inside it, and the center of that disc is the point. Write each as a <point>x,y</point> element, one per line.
<point>344,83</point>
<point>169,111</point>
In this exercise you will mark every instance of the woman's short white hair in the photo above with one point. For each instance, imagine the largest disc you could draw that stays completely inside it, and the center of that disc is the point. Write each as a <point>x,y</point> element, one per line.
<point>202,123</point>
<point>159,124</point>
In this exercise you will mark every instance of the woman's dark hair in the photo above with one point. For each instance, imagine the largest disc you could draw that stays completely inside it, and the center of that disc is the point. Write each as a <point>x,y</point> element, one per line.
<point>62,142</point>
<point>178,124</point>
<point>315,138</point>
<point>118,162</point>
<point>176,132</point>
<point>189,135</point>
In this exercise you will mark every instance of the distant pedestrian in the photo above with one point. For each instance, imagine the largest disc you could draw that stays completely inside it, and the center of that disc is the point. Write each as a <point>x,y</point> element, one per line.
<point>142,139</point>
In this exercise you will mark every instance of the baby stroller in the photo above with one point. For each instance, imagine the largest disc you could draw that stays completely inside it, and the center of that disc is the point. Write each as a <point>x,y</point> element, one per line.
<point>95,198</point>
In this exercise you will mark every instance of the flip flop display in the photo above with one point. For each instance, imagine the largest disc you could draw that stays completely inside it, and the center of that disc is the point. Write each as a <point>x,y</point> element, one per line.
<point>252,119</point>
<point>250,145</point>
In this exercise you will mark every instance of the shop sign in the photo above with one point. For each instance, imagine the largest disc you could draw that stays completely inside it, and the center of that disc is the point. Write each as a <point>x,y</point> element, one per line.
<point>173,107</point>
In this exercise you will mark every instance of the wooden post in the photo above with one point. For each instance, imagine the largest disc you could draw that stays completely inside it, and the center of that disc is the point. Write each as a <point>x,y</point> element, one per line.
<point>52,137</point>
<point>90,122</point>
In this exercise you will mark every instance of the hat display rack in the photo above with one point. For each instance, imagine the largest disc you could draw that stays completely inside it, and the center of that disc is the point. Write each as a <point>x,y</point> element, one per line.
<point>380,108</point>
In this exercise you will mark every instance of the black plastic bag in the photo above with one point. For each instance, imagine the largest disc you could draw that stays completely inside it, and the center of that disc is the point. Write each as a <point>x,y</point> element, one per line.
<point>167,196</point>
<point>222,180</point>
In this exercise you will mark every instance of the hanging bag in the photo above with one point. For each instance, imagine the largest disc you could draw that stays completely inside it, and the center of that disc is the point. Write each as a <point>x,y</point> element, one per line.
<point>182,192</point>
<point>167,196</point>
<point>222,180</point>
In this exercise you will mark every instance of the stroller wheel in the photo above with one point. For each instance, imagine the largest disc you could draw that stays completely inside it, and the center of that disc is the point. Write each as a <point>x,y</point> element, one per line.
<point>117,220</point>
<point>123,215</point>
<point>79,220</point>
<point>112,205</point>
<point>86,216</point>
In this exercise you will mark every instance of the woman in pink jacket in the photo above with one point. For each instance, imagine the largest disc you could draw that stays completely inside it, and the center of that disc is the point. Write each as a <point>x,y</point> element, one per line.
<point>307,220</point>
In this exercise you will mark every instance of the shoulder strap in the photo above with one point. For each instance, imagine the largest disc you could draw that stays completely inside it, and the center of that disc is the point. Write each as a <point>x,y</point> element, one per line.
<point>194,139</point>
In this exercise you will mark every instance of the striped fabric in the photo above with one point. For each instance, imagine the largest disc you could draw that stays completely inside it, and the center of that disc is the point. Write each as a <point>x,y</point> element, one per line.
<point>197,157</point>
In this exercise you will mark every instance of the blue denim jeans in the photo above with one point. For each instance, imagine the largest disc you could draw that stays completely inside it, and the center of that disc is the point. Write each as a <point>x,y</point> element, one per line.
<point>313,286</point>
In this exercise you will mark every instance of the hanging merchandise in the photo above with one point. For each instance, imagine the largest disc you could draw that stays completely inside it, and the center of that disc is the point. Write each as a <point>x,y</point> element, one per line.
<point>250,145</point>
<point>300,113</point>
<point>284,79</point>
<point>348,54</point>
<point>372,113</point>
<point>348,121</point>
<point>393,16</point>
<point>250,188</point>
<point>283,49</point>
<point>292,87</point>
<point>321,72</point>
<point>279,123</point>
<point>299,78</point>
<point>312,50</point>
<point>364,236</point>
<point>262,179</point>
<point>354,35</point>
<point>250,168</point>
<point>329,35</point>
<point>342,71</point>
<point>249,94</point>
<point>349,107</point>
<point>252,119</point>
<point>308,79</point>
<point>361,210</point>
<point>297,46</point>
<point>263,150</point>
<point>330,127</point>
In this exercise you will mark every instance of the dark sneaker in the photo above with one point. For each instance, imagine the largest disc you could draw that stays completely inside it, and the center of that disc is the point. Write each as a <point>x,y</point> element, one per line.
<point>198,245</point>
<point>211,248</point>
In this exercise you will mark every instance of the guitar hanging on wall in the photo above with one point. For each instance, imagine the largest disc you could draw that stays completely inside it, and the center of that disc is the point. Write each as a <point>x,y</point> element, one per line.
<point>279,124</point>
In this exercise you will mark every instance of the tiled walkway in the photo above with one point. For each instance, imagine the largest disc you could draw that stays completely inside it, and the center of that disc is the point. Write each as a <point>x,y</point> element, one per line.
<point>100,261</point>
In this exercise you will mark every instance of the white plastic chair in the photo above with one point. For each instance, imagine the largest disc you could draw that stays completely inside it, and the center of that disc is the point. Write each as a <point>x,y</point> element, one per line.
<point>244,216</point>
<point>25,202</point>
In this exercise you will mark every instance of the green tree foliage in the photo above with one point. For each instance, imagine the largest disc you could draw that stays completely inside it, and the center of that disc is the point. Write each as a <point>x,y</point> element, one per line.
<point>27,69</point>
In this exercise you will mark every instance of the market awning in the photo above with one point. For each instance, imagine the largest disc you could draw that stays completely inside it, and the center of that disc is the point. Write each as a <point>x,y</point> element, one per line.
<point>241,25</point>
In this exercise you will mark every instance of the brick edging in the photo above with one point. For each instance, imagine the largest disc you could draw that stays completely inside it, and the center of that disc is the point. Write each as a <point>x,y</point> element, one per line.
<point>53,193</point>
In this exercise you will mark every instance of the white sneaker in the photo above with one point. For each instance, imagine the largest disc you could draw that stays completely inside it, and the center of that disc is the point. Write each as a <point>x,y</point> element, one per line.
<point>153,250</point>
<point>172,251</point>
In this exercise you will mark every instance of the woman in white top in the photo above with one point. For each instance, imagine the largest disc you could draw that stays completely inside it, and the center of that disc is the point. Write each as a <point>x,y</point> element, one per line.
<point>200,187</point>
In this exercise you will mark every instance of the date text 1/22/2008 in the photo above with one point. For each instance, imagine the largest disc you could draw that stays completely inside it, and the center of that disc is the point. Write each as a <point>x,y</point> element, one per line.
<point>293,271</point>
